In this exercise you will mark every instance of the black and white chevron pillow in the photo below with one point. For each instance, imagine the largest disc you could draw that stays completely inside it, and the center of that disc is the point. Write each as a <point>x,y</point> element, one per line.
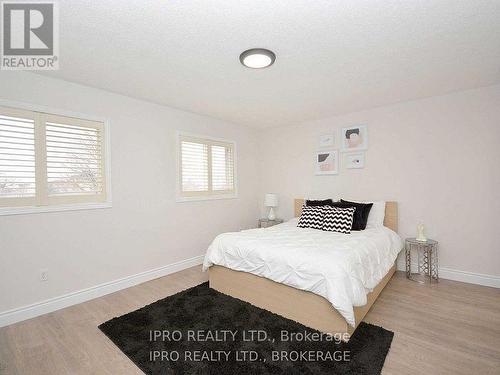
<point>338,219</point>
<point>311,217</point>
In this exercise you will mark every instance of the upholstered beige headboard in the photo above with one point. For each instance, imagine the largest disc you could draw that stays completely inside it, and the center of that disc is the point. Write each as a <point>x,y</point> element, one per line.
<point>390,220</point>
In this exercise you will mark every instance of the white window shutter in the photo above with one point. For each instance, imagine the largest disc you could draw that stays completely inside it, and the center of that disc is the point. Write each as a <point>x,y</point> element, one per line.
<point>194,165</point>
<point>50,160</point>
<point>206,167</point>
<point>222,168</point>
<point>17,158</point>
<point>75,160</point>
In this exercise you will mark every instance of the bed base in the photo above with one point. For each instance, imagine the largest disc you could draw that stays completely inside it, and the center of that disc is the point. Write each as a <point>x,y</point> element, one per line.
<point>304,307</point>
<point>301,306</point>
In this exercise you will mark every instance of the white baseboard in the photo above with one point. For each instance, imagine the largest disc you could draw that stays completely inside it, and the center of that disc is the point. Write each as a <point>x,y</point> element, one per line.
<point>463,276</point>
<point>469,277</point>
<point>56,303</point>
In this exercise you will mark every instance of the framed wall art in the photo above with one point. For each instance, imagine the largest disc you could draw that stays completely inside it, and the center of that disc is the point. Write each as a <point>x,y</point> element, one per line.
<point>354,160</point>
<point>327,140</point>
<point>327,162</point>
<point>354,138</point>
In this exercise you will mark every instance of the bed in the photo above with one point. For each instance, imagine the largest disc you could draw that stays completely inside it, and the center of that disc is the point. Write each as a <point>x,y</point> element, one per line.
<point>299,274</point>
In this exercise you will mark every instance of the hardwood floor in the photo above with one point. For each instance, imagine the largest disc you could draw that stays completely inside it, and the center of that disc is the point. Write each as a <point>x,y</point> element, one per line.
<point>446,328</point>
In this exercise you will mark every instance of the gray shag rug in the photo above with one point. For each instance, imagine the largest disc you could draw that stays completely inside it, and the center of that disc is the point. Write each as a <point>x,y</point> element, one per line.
<point>202,331</point>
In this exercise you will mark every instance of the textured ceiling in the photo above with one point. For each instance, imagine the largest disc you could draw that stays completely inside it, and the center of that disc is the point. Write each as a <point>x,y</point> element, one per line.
<point>332,56</point>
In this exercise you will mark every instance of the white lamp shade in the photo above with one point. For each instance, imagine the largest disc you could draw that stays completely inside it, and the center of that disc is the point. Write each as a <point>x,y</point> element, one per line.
<point>271,200</point>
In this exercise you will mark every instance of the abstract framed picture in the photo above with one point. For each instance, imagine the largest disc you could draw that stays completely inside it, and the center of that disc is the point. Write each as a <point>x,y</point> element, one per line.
<point>327,140</point>
<point>354,160</point>
<point>327,162</point>
<point>354,138</point>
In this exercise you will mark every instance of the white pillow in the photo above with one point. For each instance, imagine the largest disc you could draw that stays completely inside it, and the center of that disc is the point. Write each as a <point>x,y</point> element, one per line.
<point>376,215</point>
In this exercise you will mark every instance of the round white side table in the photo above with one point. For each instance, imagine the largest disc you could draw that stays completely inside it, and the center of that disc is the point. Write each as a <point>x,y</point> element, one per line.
<point>427,263</point>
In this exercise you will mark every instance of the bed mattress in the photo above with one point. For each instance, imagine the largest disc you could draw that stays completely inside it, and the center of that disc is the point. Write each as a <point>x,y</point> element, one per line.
<point>343,268</point>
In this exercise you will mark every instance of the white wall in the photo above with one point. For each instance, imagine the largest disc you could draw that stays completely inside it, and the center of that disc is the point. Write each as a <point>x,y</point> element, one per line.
<point>145,228</point>
<point>438,157</point>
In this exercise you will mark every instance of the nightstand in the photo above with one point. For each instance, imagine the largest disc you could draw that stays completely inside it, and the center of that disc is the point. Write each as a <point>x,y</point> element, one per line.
<point>266,223</point>
<point>427,263</point>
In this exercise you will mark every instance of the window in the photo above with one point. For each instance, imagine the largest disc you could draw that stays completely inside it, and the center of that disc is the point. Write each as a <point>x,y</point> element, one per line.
<point>206,167</point>
<point>50,160</point>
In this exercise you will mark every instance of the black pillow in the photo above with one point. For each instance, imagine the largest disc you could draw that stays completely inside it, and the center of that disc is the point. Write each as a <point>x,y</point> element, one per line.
<point>360,215</point>
<point>325,202</point>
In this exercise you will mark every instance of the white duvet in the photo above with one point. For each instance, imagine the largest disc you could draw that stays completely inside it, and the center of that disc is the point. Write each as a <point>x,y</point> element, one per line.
<point>342,268</point>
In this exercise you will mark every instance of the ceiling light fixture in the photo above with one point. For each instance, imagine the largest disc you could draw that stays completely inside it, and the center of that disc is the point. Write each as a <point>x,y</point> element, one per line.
<point>257,58</point>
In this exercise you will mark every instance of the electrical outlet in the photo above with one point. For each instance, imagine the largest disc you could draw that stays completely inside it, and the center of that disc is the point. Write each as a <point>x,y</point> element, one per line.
<point>44,274</point>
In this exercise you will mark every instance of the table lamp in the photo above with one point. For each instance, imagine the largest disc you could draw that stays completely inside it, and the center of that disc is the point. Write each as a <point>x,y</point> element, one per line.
<point>271,201</point>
